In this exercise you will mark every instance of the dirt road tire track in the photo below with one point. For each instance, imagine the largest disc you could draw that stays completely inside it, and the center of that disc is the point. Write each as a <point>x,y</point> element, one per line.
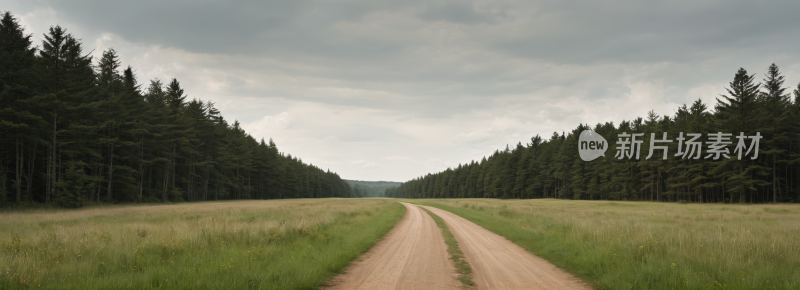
<point>498,263</point>
<point>412,255</point>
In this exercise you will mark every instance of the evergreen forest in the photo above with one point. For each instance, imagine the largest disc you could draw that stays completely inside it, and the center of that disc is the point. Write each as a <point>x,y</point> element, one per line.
<point>370,188</point>
<point>551,168</point>
<point>74,129</point>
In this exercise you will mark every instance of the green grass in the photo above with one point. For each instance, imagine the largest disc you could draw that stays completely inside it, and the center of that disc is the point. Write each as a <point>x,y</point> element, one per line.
<point>462,267</point>
<point>282,244</point>
<point>643,245</point>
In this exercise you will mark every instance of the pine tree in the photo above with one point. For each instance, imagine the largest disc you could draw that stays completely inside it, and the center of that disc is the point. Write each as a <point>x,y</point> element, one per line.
<point>794,143</point>
<point>738,113</point>
<point>776,104</point>
<point>19,83</point>
<point>110,84</point>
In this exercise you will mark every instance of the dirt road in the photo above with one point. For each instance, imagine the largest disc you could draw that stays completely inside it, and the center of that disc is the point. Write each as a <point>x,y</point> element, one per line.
<point>413,256</point>
<point>497,263</point>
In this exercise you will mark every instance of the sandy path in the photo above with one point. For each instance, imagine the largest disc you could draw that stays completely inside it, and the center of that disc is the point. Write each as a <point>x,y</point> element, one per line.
<point>412,255</point>
<point>497,263</point>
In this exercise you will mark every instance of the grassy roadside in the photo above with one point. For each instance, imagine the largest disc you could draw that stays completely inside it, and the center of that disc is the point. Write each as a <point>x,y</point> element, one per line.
<point>462,267</point>
<point>281,244</point>
<point>639,245</point>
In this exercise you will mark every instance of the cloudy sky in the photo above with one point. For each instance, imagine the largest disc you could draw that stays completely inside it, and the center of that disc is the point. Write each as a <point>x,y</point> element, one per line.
<point>391,90</point>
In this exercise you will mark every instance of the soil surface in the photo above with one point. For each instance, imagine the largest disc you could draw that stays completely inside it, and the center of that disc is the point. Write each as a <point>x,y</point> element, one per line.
<point>498,263</point>
<point>413,255</point>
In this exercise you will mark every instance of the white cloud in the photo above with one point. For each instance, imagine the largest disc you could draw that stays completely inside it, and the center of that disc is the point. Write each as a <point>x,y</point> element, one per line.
<point>708,93</point>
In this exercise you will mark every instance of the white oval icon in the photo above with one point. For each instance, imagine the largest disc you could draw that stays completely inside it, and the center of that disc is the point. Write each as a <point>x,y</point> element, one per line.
<point>591,145</point>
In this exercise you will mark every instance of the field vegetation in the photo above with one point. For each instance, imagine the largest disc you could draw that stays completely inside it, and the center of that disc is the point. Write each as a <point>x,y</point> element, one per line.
<point>295,244</point>
<point>648,245</point>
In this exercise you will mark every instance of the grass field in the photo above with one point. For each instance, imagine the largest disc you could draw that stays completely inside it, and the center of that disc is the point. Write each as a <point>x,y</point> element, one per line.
<point>642,245</point>
<point>297,244</point>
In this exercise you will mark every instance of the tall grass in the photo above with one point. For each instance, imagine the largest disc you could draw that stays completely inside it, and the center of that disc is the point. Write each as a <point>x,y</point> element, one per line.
<point>640,245</point>
<point>280,244</point>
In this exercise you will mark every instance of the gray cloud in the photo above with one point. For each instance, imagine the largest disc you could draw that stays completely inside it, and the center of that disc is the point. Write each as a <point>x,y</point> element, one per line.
<point>463,12</point>
<point>435,82</point>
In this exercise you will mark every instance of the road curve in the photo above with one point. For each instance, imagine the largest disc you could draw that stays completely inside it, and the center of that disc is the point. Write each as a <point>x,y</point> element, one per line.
<point>412,255</point>
<point>498,263</point>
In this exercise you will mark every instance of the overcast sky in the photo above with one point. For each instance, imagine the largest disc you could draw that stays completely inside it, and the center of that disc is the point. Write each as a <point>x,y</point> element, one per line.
<point>391,90</point>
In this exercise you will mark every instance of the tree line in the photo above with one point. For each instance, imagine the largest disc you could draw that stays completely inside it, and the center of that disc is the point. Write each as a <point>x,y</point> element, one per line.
<point>552,168</point>
<point>370,188</point>
<point>73,130</point>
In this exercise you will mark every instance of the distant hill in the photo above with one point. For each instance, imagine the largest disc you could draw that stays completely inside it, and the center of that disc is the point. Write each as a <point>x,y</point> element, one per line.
<point>370,188</point>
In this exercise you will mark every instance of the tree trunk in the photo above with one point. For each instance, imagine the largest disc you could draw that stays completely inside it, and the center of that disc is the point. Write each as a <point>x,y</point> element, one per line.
<point>658,188</point>
<point>54,158</point>
<point>205,187</point>
<point>700,196</point>
<point>774,181</point>
<point>166,181</point>
<point>29,176</point>
<point>110,170</point>
<point>47,178</point>
<point>741,195</point>
<point>190,187</point>
<point>99,186</point>
<point>18,164</point>
<point>141,169</point>
<point>173,163</point>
